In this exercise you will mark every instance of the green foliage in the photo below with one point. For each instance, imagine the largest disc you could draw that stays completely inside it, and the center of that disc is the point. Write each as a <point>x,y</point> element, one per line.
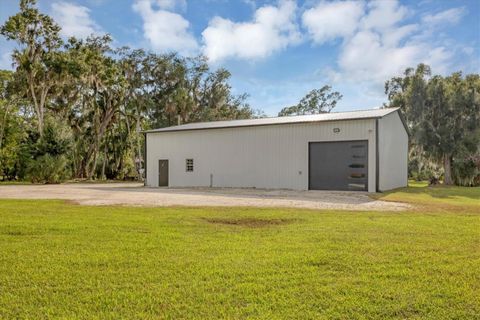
<point>37,61</point>
<point>55,140</point>
<point>48,168</point>
<point>30,26</point>
<point>443,114</point>
<point>420,167</point>
<point>102,96</point>
<point>11,134</point>
<point>321,100</point>
<point>467,171</point>
<point>44,158</point>
<point>10,151</point>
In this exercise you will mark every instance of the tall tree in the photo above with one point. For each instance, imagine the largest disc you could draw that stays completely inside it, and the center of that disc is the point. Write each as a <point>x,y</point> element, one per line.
<point>11,133</point>
<point>103,93</point>
<point>186,90</point>
<point>94,100</point>
<point>321,100</point>
<point>6,103</point>
<point>442,112</point>
<point>37,59</point>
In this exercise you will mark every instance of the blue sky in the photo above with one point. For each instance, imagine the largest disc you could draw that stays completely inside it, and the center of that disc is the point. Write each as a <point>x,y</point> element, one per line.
<point>277,51</point>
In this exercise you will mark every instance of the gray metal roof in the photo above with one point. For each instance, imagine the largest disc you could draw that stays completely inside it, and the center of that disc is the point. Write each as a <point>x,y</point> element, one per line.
<point>333,116</point>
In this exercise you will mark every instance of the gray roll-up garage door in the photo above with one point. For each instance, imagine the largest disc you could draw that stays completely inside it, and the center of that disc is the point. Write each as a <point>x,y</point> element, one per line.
<point>339,165</point>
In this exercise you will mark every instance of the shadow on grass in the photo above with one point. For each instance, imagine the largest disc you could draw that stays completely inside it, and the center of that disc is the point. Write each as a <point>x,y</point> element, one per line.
<point>440,197</point>
<point>441,191</point>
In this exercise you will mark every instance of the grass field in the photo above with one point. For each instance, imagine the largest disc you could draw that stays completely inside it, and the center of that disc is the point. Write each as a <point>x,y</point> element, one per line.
<point>438,197</point>
<point>59,260</point>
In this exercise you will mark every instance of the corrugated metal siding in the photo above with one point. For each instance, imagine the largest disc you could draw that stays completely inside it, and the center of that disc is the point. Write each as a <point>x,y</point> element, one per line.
<point>393,153</point>
<point>262,157</point>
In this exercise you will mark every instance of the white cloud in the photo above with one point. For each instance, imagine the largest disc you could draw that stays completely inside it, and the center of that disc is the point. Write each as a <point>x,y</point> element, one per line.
<point>450,16</point>
<point>468,50</point>
<point>366,57</point>
<point>330,20</point>
<point>376,52</point>
<point>273,28</point>
<point>383,14</point>
<point>439,58</point>
<point>392,37</point>
<point>165,30</point>
<point>376,42</point>
<point>251,3</point>
<point>74,19</point>
<point>171,4</point>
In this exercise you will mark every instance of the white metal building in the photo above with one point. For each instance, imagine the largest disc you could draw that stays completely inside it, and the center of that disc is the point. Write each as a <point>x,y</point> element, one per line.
<point>358,150</point>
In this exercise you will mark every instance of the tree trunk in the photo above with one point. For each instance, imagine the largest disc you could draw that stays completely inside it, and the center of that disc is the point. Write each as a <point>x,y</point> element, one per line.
<point>4,124</point>
<point>93,149</point>
<point>38,108</point>
<point>91,171</point>
<point>139,150</point>
<point>447,168</point>
<point>104,161</point>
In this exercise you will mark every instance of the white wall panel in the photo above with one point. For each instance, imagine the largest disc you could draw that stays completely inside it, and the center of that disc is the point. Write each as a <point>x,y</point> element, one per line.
<point>271,156</point>
<point>393,152</point>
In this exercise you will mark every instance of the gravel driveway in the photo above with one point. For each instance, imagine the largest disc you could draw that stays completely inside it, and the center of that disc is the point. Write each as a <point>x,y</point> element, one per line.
<point>135,194</point>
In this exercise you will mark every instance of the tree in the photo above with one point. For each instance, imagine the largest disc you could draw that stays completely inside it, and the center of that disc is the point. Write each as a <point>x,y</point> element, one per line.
<point>321,100</point>
<point>443,113</point>
<point>36,60</point>
<point>6,104</point>
<point>96,99</point>
<point>133,114</point>
<point>11,131</point>
<point>48,153</point>
<point>102,95</point>
<point>185,90</point>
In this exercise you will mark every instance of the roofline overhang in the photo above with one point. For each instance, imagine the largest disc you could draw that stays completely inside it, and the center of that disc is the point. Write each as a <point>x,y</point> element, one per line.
<point>164,130</point>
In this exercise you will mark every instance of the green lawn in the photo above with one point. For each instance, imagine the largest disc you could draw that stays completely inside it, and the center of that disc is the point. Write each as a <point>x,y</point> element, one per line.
<point>59,260</point>
<point>437,196</point>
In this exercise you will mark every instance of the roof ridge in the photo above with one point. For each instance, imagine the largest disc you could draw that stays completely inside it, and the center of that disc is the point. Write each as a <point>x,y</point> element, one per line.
<point>331,116</point>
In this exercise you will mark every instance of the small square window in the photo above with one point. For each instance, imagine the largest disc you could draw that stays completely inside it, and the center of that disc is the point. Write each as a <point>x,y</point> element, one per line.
<point>189,165</point>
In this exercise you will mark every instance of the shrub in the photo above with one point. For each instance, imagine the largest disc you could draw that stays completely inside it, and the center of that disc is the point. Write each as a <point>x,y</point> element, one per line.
<point>466,171</point>
<point>47,160</point>
<point>421,167</point>
<point>48,169</point>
